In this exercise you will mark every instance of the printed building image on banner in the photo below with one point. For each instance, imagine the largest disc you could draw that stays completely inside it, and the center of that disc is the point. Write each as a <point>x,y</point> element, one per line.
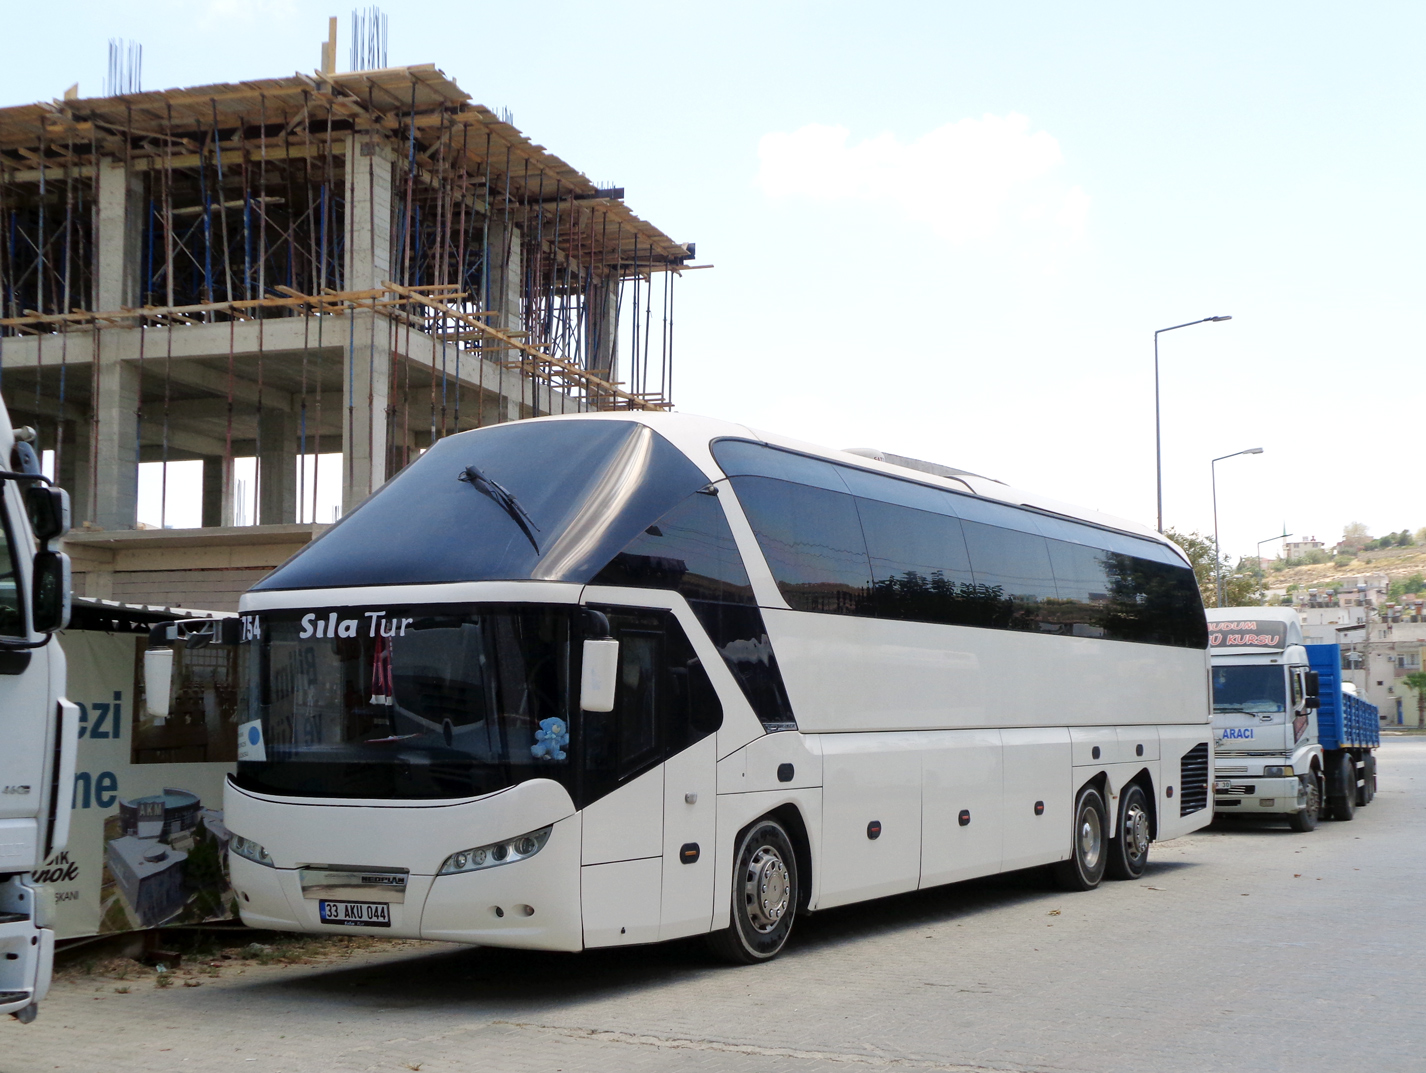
<point>147,843</point>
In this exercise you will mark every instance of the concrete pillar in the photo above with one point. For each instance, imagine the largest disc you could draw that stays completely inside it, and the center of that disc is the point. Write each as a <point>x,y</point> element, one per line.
<point>504,294</point>
<point>604,327</point>
<point>213,478</point>
<point>370,168</point>
<point>119,219</point>
<point>74,469</point>
<point>367,364</point>
<point>277,467</point>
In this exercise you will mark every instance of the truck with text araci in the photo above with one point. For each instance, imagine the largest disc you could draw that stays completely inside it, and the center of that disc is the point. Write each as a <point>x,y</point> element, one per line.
<point>1291,737</point>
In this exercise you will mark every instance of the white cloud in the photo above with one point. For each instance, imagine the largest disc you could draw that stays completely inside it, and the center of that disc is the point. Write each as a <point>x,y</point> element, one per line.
<point>970,181</point>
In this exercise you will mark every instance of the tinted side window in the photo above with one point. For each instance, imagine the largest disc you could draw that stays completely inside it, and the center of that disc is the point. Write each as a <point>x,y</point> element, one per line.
<point>920,568</point>
<point>737,631</point>
<point>813,543</point>
<point>1154,603</point>
<point>1084,587</point>
<point>690,550</point>
<point>663,704</point>
<point>1012,574</point>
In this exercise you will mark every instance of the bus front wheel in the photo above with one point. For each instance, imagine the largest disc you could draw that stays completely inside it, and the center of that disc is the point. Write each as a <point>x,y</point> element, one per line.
<point>1089,851</point>
<point>765,893</point>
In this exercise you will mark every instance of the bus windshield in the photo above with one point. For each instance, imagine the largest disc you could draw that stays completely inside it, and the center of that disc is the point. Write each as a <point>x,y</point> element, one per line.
<point>414,702</point>
<point>1249,689</point>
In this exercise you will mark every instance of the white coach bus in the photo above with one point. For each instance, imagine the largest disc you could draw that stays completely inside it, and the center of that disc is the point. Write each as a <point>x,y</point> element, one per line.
<point>610,679</point>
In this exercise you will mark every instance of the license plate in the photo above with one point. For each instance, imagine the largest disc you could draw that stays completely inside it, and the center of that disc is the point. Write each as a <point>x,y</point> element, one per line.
<point>355,914</point>
<point>1222,784</point>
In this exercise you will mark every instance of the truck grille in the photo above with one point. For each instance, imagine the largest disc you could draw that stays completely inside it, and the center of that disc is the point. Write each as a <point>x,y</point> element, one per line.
<point>1193,780</point>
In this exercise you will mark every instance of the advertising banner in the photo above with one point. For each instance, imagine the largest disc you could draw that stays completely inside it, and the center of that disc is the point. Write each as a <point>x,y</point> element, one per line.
<point>147,844</point>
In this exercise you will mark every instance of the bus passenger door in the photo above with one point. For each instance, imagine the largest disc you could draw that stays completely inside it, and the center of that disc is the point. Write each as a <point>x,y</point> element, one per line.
<point>1037,796</point>
<point>621,877</point>
<point>690,809</point>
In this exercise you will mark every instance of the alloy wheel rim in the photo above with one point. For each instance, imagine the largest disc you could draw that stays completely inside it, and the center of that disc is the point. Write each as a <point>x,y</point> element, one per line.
<point>1136,831</point>
<point>767,889</point>
<point>1091,838</point>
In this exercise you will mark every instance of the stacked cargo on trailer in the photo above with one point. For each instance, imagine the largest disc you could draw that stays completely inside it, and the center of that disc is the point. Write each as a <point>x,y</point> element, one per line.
<point>38,728</point>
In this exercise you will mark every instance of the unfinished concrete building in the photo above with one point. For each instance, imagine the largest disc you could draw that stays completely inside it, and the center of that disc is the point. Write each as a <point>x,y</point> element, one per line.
<point>277,277</point>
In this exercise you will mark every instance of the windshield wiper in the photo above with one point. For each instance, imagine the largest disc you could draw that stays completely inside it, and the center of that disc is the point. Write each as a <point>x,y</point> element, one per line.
<point>504,499</point>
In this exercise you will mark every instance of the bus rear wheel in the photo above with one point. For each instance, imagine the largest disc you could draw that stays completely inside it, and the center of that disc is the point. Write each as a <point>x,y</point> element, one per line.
<point>765,894</point>
<point>1088,853</point>
<point>1129,849</point>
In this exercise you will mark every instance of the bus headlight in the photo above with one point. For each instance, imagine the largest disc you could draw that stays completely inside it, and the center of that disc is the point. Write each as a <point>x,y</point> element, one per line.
<point>507,852</point>
<point>1273,771</point>
<point>246,847</point>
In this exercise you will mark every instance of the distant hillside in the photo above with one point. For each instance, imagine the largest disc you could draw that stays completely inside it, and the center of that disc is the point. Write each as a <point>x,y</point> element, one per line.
<point>1395,563</point>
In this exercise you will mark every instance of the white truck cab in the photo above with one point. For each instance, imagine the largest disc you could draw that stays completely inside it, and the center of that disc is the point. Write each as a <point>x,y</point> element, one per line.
<point>39,729</point>
<point>1268,757</point>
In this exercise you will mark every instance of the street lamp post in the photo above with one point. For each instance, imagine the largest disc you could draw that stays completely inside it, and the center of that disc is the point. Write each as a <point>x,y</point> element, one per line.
<point>1280,536</point>
<point>1158,438</point>
<point>1217,554</point>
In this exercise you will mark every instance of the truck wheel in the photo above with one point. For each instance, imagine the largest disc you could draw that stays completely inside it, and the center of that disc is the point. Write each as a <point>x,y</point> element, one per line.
<point>1129,849</point>
<point>1088,856</point>
<point>1344,800</point>
<point>1309,797</point>
<point>765,894</point>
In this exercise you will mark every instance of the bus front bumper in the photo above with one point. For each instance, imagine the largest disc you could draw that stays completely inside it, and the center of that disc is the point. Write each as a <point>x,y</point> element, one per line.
<point>532,903</point>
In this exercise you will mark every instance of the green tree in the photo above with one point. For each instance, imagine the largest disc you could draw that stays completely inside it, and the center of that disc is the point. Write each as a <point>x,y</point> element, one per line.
<point>1242,581</point>
<point>1416,680</point>
<point>1414,584</point>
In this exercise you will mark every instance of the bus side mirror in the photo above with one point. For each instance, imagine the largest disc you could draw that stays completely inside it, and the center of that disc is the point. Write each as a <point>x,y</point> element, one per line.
<point>48,508</point>
<point>158,680</point>
<point>51,592</point>
<point>599,676</point>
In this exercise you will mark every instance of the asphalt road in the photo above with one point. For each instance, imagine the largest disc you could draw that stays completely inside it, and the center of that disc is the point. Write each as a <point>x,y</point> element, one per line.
<point>1244,948</point>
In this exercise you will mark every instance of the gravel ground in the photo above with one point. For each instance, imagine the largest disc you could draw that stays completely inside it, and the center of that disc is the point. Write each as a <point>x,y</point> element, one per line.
<point>1244,948</point>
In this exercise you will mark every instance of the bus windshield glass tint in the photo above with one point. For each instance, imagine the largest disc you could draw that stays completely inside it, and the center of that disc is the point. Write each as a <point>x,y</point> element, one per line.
<point>531,500</point>
<point>414,702</point>
<point>1249,689</point>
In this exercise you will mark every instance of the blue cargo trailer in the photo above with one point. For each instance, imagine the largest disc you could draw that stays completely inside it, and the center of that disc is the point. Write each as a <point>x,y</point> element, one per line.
<point>1349,729</point>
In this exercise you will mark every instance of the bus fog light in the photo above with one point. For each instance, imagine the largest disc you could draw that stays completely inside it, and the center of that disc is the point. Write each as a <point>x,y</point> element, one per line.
<point>1274,771</point>
<point>246,847</point>
<point>512,849</point>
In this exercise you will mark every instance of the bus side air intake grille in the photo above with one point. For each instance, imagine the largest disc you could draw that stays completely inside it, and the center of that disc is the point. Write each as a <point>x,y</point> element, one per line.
<point>1193,780</point>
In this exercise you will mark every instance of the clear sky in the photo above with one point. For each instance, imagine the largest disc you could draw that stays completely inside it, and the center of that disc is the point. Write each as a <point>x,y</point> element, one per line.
<point>950,229</point>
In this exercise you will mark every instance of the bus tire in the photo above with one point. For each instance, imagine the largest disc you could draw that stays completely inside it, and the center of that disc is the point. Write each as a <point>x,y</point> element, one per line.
<point>1344,800</point>
<point>1129,849</point>
<point>1305,819</point>
<point>765,894</point>
<point>1089,845</point>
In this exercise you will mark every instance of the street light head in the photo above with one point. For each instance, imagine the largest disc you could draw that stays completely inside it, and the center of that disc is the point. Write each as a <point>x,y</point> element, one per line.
<point>1216,319</point>
<point>1253,451</point>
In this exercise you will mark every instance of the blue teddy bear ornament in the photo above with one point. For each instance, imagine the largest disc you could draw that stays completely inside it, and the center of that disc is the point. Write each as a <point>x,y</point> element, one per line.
<point>550,739</point>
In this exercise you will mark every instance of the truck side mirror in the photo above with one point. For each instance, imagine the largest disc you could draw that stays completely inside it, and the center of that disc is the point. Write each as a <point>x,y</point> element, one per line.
<point>51,592</point>
<point>48,508</point>
<point>1314,693</point>
<point>599,676</point>
<point>158,681</point>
